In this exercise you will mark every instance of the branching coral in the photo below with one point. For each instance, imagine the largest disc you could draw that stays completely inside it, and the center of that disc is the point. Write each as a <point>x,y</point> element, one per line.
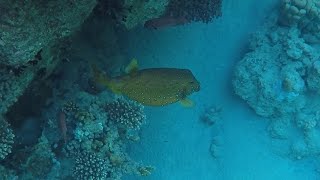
<point>126,112</point>
<point>90,166</point>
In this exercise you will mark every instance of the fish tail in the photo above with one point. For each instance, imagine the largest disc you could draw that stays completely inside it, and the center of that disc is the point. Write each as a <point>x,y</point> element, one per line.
<point>100,77</point>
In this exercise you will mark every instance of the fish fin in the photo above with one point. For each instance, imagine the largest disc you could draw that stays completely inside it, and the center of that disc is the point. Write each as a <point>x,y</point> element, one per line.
<point>132,66</point>
<point>99,76</point>
<point>187,103</point>
<point>103,79</point>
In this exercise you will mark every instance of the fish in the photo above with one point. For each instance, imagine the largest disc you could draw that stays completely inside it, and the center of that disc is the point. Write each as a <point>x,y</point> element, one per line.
<point>151,86</point>
<point>63,125</point>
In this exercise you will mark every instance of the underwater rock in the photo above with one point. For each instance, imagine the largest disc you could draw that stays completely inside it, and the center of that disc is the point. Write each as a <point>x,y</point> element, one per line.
<point>280,127</point>
<point>216,149</point>
<point>211,115</point>
<point>27,27</point>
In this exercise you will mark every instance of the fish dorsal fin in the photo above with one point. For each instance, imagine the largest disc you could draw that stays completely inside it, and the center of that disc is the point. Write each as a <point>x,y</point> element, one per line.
<point>132,67</point>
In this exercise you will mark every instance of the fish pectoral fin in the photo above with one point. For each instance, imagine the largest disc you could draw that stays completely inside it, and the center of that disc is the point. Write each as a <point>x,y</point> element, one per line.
<point>115,90</point>
<point>187,103</point>
<point>115,87</point>
<point>132,67</point>
<point>99,76</point>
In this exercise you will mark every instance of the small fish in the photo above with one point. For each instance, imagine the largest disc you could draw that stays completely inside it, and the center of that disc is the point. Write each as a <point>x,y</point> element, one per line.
<point>63,125</point>
<point>153,87</point>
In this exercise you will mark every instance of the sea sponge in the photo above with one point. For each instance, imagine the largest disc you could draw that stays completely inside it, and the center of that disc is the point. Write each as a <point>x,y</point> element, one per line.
<point>126,112</point>
<point>6,138</point>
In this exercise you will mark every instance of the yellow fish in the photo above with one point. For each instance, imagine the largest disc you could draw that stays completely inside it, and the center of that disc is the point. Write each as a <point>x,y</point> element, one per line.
<point>153,87</point>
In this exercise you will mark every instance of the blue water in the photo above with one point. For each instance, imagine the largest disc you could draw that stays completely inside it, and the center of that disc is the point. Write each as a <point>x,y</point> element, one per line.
<point>174,140</point>
<point>220,137</point>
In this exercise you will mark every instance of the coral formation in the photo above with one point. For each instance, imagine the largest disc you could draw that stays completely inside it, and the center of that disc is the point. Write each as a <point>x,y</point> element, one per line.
<point>7,174</point>
<point>80,131</point>
<point>90,166</point>
<point>271,70</point>
<point>279,79</point>
<point>6,138</point>
<point>12,86</point>
<point>195,10</point>
<point>303,13</point>
<point>139,11</point>
<point>27,27</point>
<point>126,112</point>
<point>41,160</point>
<point>100,138</point>
<point>131,13</point>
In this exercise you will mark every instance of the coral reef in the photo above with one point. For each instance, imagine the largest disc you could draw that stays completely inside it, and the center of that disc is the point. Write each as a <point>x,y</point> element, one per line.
<point>126,112</point>
<point>7,174</point>
<point>27,27</point>
<point>305,14</point>
<point>12,86</point>
<point>90,166</point>
<point>6,138</point>
<point>139,11</point>
<point>274,72</point>
<point>195,10</point>
<point>279,79</point>
<point>92,135</point>
<point>131,13</point>
<point>75,129</point>
<point>41,160</point>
